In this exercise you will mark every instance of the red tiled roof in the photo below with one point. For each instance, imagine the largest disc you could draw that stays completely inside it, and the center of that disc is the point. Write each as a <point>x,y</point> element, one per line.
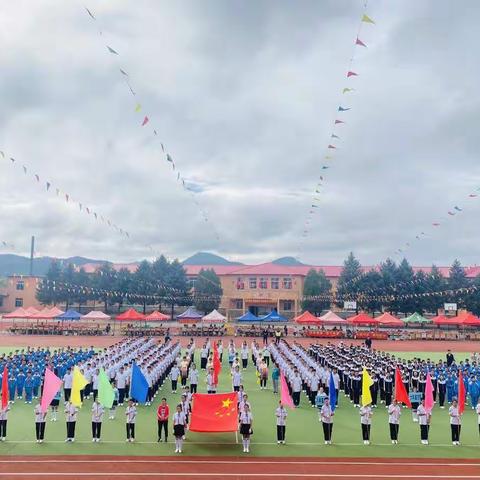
<point>218,269</point>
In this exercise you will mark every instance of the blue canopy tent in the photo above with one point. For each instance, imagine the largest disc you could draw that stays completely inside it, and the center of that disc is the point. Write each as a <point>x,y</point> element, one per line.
<point>190,315</point>
<point>248,317</point>
<point>273,316</point>
<point>69,315</point>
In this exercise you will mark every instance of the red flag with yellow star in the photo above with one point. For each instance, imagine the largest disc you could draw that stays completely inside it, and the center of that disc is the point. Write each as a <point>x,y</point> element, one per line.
<point>214,412</point>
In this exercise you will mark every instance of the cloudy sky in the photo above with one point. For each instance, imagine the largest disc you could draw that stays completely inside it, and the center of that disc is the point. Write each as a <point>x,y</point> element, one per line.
<point>243,94</point>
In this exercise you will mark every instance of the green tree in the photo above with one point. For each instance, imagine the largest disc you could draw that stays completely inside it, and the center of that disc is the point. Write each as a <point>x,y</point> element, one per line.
<point>208,291</point>
<point>144,285</point>
<point>316,285</point>
<point>348,283</point>
<point>420,288</point>
<point>176,282</point>
<point>457,279</point>
<point>123,285</point>
<point>370,287</point>
<point>435,282</point>
<point>405,286</point>
<point>472,300</point>
<point>388,271</point>
<point>48,291</point>
<point>84,281</point>
<point>160,272</point>
<point>103,281</point>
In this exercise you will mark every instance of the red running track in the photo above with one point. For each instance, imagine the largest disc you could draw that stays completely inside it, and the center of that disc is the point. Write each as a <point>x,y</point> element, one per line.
<point>238,468</point>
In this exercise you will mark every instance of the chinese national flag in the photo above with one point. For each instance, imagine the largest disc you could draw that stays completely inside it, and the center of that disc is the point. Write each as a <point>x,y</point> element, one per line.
<point>217,366</point>
<point>214,412</point>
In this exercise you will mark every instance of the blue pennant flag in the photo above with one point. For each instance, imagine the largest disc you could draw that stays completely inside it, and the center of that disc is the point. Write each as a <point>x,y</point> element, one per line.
<point>139,385</point>
<point>332,393</point>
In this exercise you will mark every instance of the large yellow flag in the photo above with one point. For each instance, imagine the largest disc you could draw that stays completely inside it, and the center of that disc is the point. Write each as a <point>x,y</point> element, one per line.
<point>367,382</point>
<point>78,383</point>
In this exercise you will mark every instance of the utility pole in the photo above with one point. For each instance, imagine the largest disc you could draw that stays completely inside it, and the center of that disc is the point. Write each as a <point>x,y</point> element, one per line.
<point>32,250</point>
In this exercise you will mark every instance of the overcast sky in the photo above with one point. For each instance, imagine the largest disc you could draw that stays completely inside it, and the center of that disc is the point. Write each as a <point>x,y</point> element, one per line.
<point>243,94</point>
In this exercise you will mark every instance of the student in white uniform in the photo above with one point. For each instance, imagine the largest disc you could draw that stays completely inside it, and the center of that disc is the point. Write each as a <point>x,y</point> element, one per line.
<point>193,378</point>
<point>97,417</point>
<point>424,422</point>
<point>179,422</point>
<point>67,384</point>
<point>477,410</point>
<point>211,385</point>
<point>455,422</point>
<point>71,412</point>
<point>366,422</point>
<point>246,424</point>
<point>394,413</point>
<point>131,414</point>
<point>39,423</point>
<point>281,414</point>
<point>326,415</point>
<point>236,379</point>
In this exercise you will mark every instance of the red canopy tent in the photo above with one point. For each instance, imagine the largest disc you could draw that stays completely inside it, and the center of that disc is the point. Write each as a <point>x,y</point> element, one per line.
<point>47,313</point>
<point>388,320</point>
<point>469,319</point>
<point>157,316</point>
<point>443,320</point>
<point>362,319</point>
<point>131,315</point>
<point>18,313</point>
<point>306,318</point>
<point>31,311</point>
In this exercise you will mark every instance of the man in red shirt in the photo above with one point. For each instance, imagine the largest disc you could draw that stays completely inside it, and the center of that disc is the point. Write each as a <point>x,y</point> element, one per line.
<point>162,417</point>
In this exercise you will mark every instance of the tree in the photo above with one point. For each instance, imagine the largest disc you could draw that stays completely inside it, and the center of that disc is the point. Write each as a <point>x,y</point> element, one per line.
<point>208,291</point>
<point>420,288</point>
<point>457,279</point>
<point>472,300</point>
<point>348,282</point>
<point>104,279</point>
<point>435,282</point>
<point>371,286</point>
<point>160,271</point>
<point>68,289</point>
<point>82,279</point>
<point>144,285</point>
<point>316,285</point>
<point>48,292</point>
<point>176,282</point>
<point>123,285</point>
<point>405,286</point>
<point>388,271</point>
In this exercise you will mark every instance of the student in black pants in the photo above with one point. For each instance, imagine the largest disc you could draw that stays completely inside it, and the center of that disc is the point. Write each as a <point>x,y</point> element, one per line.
<point>39,423</point>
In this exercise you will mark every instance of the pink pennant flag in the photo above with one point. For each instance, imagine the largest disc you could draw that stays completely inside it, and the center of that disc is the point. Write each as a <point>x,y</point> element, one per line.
<point>436,224</point>
<point>359,42</point>
<point>285,397</point>
<point>145,121</point>
<point>429,394</point>
<point>473,195</point>
<point>51,386</point>
<point>332,146</point>
<point>351,74</point>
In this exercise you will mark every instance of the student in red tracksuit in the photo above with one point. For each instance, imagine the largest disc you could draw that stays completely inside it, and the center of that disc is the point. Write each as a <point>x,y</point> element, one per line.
<point>162,416</point>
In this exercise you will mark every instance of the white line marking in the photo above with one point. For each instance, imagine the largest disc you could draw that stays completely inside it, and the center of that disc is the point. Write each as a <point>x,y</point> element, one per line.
<point>334,461</point>
<point>237,475</point>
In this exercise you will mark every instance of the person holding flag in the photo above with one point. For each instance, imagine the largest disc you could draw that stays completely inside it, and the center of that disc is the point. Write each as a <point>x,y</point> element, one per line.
<point>71,412</point>
<point>5,405</point>
<point>455,421</point>
<point>211,384</point>
<point>97,417</point>
<point>40,417</point>
<point>424,417</point>
<point>326,415</point>
<point>281,415</point>
<point>131,415</point>
<point>366,421</point>
<point>394,412</point>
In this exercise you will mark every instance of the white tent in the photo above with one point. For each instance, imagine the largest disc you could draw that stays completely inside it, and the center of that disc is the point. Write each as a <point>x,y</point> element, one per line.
<point>214,317</point>
<point>331,317</point>
<point>96,315</point>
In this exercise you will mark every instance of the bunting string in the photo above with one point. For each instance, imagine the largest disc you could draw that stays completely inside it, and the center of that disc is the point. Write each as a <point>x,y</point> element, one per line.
<point>147,123</point>
<point>335,136</point>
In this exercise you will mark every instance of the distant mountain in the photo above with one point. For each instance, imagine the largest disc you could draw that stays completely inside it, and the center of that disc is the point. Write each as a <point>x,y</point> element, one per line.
<point>18,265</point>
<point>288,262</point>
<point>205,258</point>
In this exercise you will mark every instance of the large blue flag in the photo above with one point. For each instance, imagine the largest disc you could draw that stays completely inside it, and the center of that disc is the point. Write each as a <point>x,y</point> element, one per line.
<point>139,385</point>
<point>332,393</point>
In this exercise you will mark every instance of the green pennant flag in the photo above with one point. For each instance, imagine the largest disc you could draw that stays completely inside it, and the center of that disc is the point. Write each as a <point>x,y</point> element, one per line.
<point>105,390</point>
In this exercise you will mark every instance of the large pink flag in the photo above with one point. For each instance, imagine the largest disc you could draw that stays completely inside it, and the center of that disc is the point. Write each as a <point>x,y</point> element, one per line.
<point>428,394</point>
<point>51,385</point>
<point>285,397</point>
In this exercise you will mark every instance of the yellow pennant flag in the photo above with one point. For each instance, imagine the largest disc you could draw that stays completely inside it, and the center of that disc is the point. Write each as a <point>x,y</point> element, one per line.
<point>78,383</point>
<point>367,382</point>
<point>367,19</point>
<point>138,107</point>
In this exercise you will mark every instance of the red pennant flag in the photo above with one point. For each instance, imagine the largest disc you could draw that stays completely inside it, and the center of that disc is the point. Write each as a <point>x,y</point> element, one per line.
<point>5,388</point>
<point>351,74</point>
<point>217,366</point>
<point>359,42</point>
<point>145,121</point>
<point>214,412</point>
<point>461,393</point>
<point>401,394</point>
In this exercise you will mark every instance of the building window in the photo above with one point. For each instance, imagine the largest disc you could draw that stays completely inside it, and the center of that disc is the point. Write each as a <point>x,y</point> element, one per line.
<point>19,302</point>
<point>252,282</point>
<point>20,285</point>
<point>238,304</point>
<point>275,282</point>
<point>191,283</point>
<point>263,283</point>
<point>287,305</point>
<point>240,284</point>
<point>287,283</point>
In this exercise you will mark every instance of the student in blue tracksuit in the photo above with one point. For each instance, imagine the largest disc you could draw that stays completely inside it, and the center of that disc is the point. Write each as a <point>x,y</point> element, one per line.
<point>28,386</point>
<point>451,391</point>
<point>37,381</point>
<point>20,383</point>
<point>12,387</point>
<point>474,391</point>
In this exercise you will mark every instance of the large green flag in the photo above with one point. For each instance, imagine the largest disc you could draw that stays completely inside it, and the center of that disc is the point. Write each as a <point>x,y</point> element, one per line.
<point>105,390</point>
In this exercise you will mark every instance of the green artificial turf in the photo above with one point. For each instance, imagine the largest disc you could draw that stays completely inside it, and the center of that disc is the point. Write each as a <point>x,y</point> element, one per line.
<point>304,432</point>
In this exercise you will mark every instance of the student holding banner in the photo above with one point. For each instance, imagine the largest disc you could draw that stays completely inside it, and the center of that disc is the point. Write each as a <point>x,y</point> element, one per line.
<point>39,422</point>
<point>326,415</point>
<point>366,422</point>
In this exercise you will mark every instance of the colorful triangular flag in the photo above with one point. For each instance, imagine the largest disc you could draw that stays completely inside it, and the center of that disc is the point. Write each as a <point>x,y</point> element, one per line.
<point>367,19</point>
<point>359,42</point>
<point>111,50</point>
<point>351,74</point>
<point>145,121</point>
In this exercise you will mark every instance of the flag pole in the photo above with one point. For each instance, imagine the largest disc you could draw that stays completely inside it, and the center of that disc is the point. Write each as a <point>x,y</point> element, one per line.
<point>236,436</point>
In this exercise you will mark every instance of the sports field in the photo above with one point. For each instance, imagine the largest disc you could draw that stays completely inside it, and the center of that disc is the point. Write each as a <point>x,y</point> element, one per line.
<point>304,433</point>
